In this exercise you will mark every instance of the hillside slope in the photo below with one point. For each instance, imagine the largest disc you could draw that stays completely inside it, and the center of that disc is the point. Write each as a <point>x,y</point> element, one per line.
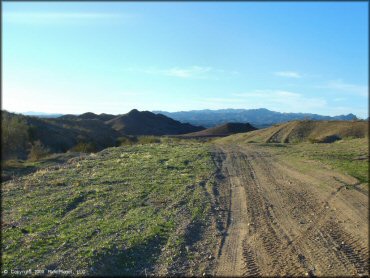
<point>300,131</point>
<point>62,134</point>
<point>222,130</point>
<point>148,123</point>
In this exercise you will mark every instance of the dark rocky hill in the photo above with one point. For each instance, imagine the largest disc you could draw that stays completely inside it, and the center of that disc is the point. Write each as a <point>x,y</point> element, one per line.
<point>148,123</point>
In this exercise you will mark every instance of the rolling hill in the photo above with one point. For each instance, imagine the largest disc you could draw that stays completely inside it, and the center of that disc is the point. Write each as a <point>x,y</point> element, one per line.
<point>300,131</point>
<point>222,130</point>
<point>62,134</point>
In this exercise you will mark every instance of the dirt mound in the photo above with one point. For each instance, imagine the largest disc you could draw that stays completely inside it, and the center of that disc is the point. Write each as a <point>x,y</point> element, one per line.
<point>300,131</point>
<point>223,130</point>
<point>148,123</point>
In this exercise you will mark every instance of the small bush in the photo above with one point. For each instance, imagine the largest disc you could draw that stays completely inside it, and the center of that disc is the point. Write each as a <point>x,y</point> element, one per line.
<point>171,139</point>
<point>85,147</point>
<point>38,151</point>
<point>313,140</point>
<point>325,139</point>
<point>148,140</point>
<point>330,138</point>
<point>126,141</point>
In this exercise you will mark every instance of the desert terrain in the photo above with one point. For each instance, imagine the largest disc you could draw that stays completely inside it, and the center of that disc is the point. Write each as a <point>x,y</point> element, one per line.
<point>288,200</point>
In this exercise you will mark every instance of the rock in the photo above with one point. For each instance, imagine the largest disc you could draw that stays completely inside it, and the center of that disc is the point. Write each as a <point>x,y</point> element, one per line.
<point>24,231</point>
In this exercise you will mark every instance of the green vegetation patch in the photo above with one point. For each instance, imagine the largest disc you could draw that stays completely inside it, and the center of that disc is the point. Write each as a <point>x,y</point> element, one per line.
<point>350,156</point>
<point>110,213</point>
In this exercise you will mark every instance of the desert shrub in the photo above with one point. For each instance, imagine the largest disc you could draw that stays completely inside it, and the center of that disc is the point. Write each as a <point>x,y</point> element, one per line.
<point>85,147</point>
<point>38,150</point>
<point>330,138</point>
<point>167,139</point>
<point>349,138</point>
<point>148,140</point>
<point>14,135</point>
<point>313,140</point>
<point>126,141</point>
<point>325,139</point>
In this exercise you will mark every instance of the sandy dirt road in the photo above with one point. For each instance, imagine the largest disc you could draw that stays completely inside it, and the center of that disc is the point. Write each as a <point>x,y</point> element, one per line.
<point>281,221</point>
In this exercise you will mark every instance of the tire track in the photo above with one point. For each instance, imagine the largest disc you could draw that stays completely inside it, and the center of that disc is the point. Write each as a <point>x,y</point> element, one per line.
<point>230,260</point>
<point>287,229</point>
<point>350,255</point>
<point>273,237</point>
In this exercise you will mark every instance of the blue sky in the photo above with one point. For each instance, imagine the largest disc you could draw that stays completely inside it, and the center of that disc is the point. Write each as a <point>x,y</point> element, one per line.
<point>113,57</point>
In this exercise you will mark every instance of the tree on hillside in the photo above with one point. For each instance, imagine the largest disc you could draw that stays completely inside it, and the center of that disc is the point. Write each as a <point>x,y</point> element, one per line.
<point>14,136</point>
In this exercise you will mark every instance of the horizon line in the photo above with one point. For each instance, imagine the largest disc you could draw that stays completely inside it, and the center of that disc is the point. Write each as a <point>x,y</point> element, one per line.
<point>39,113</point>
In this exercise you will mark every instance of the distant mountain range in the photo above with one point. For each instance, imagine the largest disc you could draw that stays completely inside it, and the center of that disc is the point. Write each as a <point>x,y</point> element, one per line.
<point>41,114</point>
<point>257,117</point>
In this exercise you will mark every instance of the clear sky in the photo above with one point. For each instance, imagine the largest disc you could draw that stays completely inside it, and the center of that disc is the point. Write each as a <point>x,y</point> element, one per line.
<point>113,57</point>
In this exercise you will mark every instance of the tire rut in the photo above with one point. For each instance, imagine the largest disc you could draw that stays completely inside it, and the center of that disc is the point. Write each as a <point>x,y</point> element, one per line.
<point>278,226</point>
<point>230,261</point>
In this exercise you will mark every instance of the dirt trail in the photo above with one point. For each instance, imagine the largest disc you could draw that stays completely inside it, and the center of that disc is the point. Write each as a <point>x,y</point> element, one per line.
<point>232,252</point>
<point>284,222</point>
